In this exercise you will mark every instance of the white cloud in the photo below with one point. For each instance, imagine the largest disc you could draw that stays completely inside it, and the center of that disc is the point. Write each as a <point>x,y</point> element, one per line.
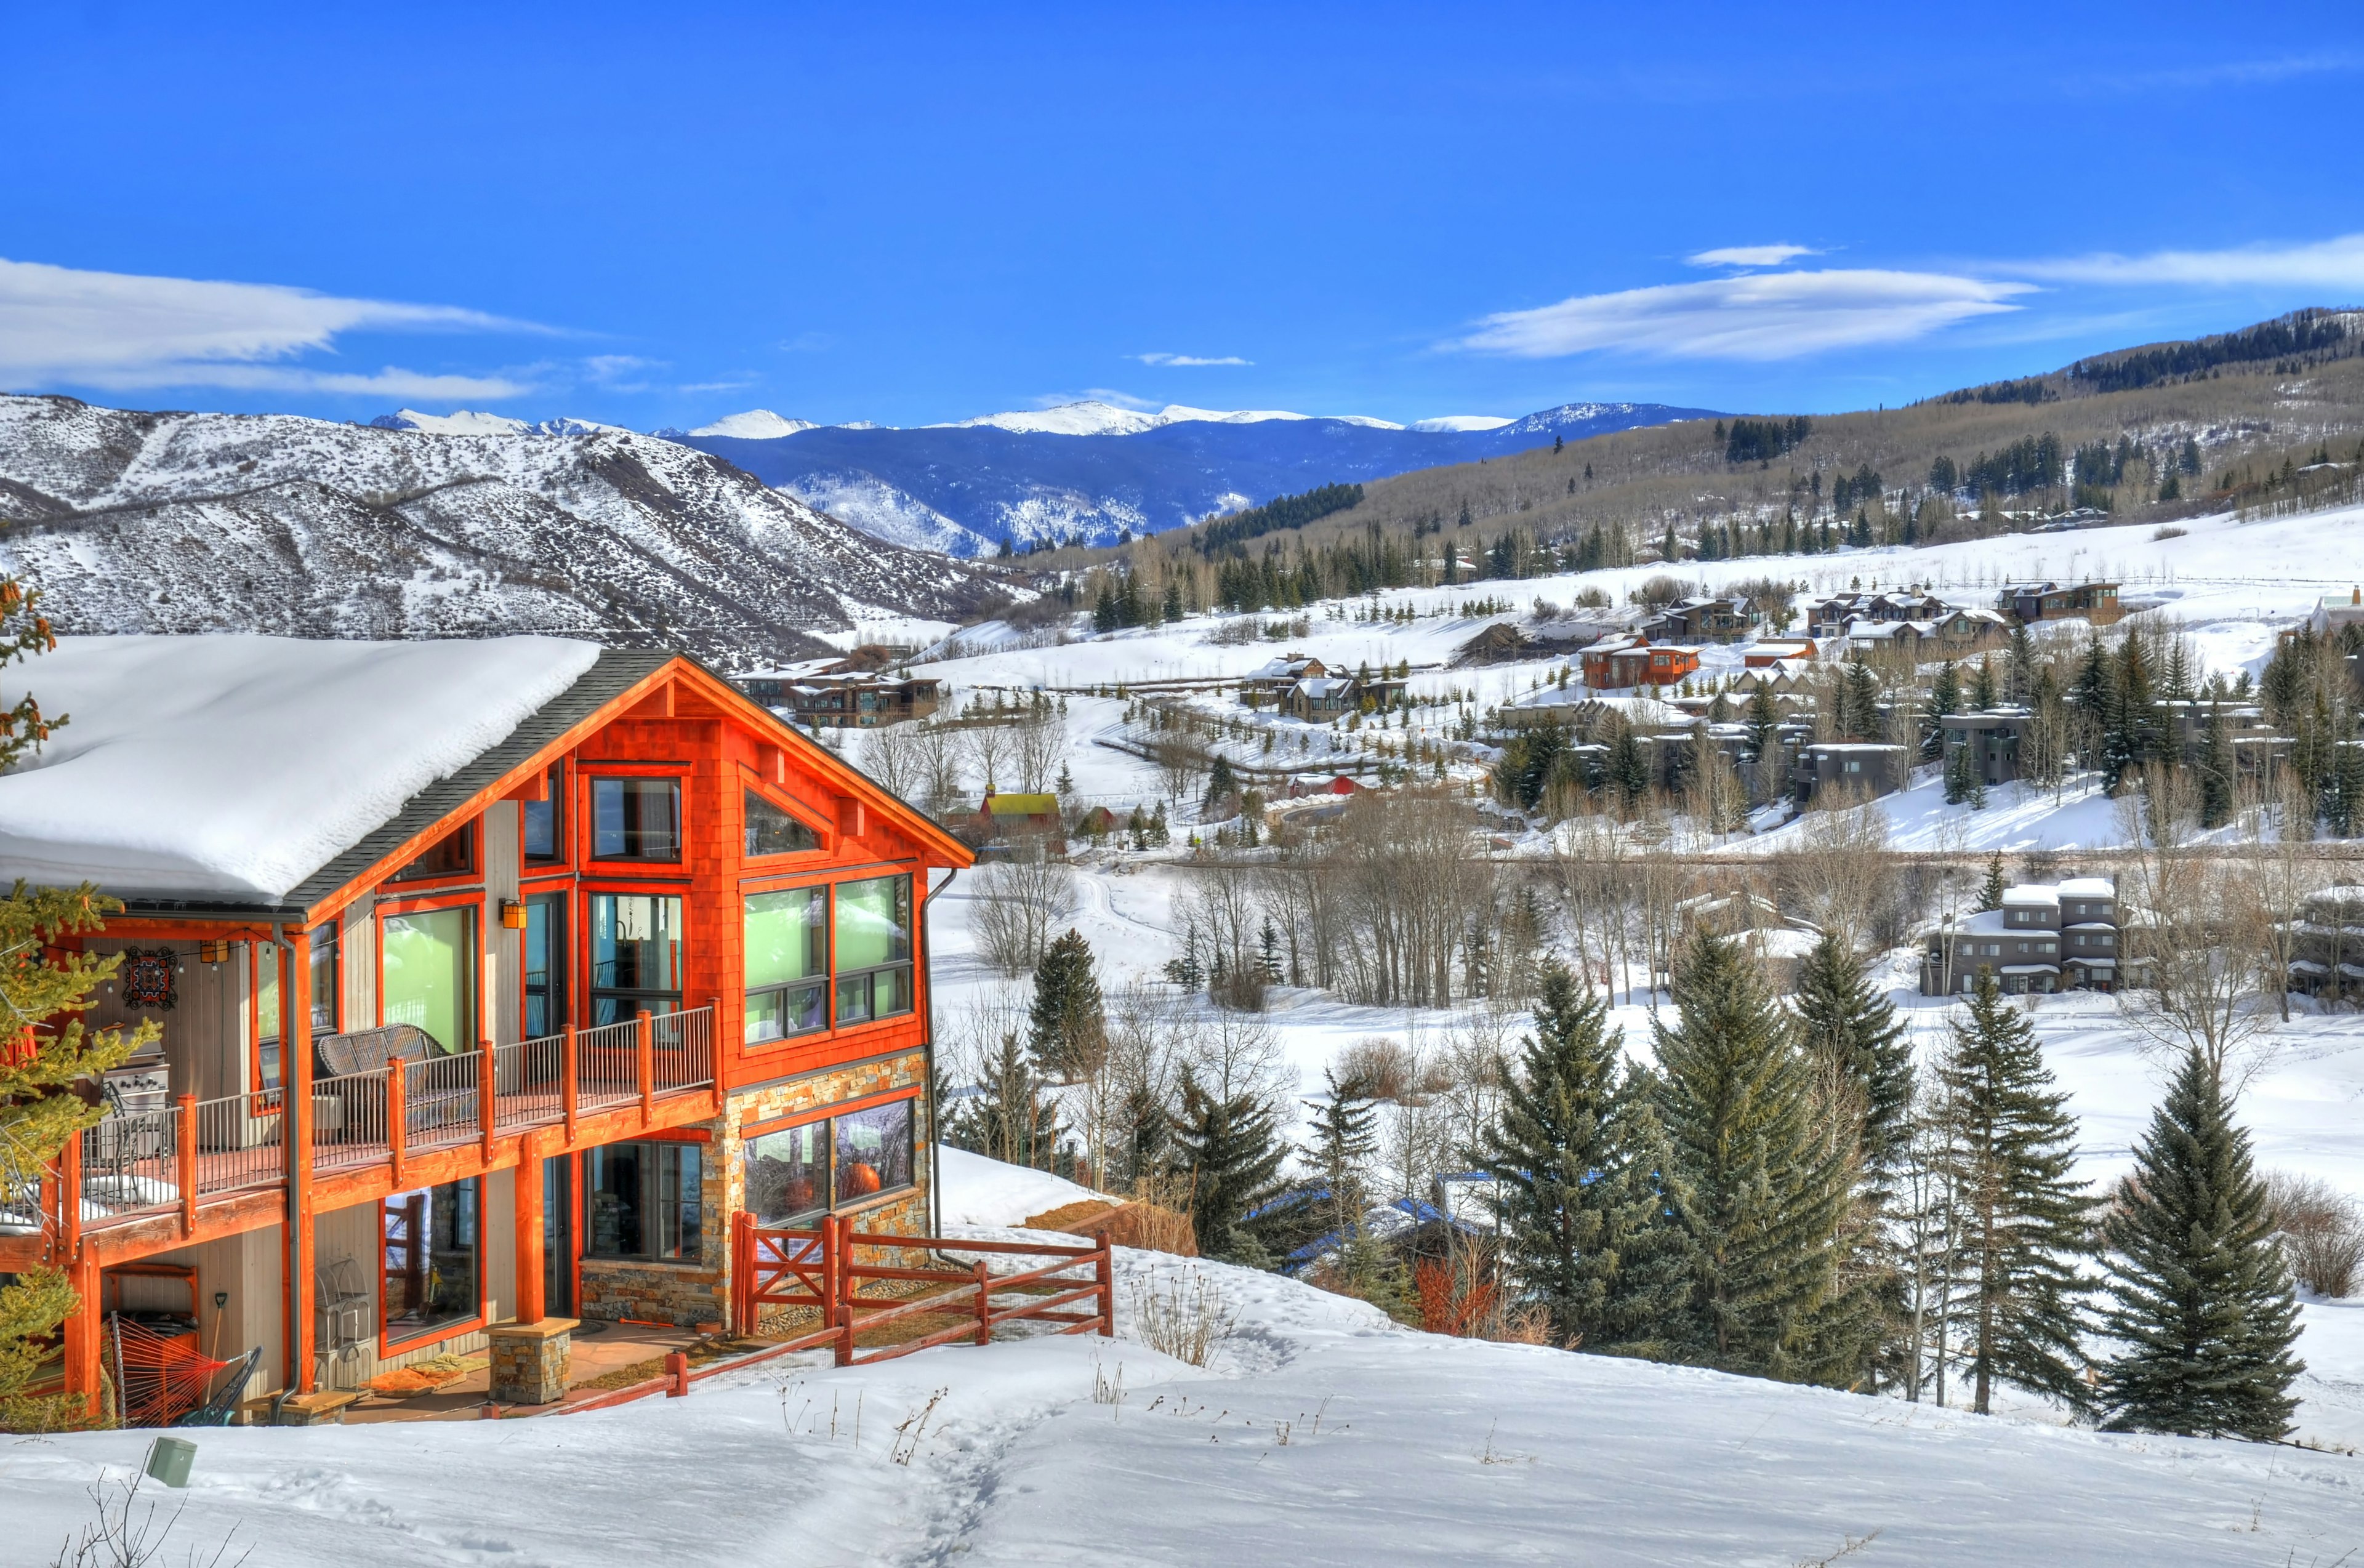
<point>2322,264</point>
<point>1757,316</point>
<point>1750,255</point>
<point>120,329</point>
<point>1180,360</point>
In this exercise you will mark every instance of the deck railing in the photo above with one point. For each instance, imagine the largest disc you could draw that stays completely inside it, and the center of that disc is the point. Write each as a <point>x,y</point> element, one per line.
<point>444,1098</point>
<point>148,1162</point>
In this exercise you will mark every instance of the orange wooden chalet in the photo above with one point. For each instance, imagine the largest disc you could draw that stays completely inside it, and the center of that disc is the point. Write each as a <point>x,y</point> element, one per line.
<point>494,979</point>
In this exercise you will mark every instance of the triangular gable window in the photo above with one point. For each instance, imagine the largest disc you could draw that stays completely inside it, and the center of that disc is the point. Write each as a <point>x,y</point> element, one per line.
<point>772,831</point>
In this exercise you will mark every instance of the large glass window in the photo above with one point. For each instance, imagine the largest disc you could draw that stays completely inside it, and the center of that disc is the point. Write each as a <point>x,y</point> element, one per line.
<point>787,962</point>
<point>799,1171</point>
<point>873,948</point>
<point>432,1259</point>
<point>328,1003</point>
<point>787,1173</point>
<point>454,855</point>
<point>874,1151</point>
<point>635,955</point>
<point>643,1201</point>
<point>772,831</point>
<point>540,823</point>
<point>545,965</point>
<point>428,976</point>
<point>636,819</point>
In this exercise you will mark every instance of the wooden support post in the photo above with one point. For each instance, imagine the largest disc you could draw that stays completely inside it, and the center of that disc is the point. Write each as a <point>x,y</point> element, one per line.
<point>86,1335</point>
<point>835,1228</point>
<point>69,1168</point>
<point>984,1302</point>
<point>398,1116</point>
<point>742,1273</point>
<point>296,1133</point>
<point>1104,1272</point>
<point>645,1041</point>
<point>714,1049</point>
<point>184,1160</point>
<point>566,1084</point>
<point>531,1233</point>
<point>676,1365</point>
<point>487,1111</point>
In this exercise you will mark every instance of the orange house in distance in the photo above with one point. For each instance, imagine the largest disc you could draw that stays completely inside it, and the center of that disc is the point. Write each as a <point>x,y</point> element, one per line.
<point>1617,664</point>
<point>494,979</point>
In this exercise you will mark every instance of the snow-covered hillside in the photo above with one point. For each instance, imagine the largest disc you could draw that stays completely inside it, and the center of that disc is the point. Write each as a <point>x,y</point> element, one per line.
<point>190,522</point>
<point>1318,1433</point>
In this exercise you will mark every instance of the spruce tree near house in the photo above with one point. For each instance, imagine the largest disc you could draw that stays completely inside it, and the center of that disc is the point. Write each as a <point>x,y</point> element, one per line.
<point>1991,891</point>
<point>1763,1176</point>
<point>1850,1027</point>
<point>49,1064</point>
<point>1228,1153</point>
<point>1945,697</point>
<point>2025,1221</point>
<point>2200,1292</point>
<point>1578,1161</point>
<point>1068,1028</point>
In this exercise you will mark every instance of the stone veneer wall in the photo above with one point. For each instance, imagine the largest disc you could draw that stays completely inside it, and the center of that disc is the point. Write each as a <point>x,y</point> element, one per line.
<point>701,1293</point>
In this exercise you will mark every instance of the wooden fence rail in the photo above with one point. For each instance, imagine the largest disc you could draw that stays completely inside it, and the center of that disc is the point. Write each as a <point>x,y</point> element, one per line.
<point>824,1268</point>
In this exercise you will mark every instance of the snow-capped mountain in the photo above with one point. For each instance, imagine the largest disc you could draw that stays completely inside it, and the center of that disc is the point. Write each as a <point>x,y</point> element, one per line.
<point>468,422</point>
<point>968,486</point>
<point>193,522</point>
<point>755,425</point>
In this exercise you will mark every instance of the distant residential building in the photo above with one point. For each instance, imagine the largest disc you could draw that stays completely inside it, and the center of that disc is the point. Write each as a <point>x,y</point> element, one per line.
<point>1621,664</point>
<point>1726,619</point>
<point>833,694</point>
<point>1860,769</point>
<point>1303,785</point>
<point>2329,944</point>
<point>1267,686</point>
<point>2044,938</point>
<point>2034,602</point>
<point>2333,615</point>
<point>1767,651</point>
<point>1831,616</point>
<point>1993,737</point>
<point>2259,750</point>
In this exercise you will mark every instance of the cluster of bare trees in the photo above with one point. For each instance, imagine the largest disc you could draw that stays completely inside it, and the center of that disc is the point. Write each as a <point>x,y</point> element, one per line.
<point>943,763</point>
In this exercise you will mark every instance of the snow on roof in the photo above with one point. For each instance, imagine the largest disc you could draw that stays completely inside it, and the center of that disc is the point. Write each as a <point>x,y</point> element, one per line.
<point>2088,887</point>
<point>238,765</point>
<point>2033,895</point>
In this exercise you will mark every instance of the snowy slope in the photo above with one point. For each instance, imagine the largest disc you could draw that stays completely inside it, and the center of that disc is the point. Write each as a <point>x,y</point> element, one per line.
<point>755,425</point>
<point>189,522</point>
<point>1318,1435</point>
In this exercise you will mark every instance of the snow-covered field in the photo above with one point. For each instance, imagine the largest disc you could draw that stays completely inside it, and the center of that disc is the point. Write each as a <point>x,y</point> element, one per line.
<point>1318,1433</point>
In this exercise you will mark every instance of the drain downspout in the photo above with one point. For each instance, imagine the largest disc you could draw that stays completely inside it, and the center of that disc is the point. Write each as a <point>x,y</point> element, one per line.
<point>928,1048</point>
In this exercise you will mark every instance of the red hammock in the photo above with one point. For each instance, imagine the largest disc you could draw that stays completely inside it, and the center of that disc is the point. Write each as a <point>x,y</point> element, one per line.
<point>160,1377</point>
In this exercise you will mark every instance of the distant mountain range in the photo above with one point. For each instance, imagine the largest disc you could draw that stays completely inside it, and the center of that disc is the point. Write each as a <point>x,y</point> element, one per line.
<point>472,526</point>
<point>1090,472</point>
<point>1086,471</point>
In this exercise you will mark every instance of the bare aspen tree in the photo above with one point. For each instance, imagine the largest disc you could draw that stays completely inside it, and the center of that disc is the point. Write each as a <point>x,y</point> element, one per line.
<point>1718,800</point>
<point>894,757</point>
<point>1038,742</point>
<point>942,761</point>
<point>1018,901</point>
<point>991,749</point>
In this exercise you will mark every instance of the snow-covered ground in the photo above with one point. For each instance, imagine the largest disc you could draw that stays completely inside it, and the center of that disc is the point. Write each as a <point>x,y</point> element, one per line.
<point>1318,1433</point>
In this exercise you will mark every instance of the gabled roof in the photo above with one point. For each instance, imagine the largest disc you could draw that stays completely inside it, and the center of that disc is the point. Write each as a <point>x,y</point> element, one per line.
<point>261,775</point>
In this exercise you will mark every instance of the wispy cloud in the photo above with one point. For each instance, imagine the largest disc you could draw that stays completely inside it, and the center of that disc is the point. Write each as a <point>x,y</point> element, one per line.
<point>807,343</point>
<point>1107,395</point>
<point>1757,315</point>
<point>2233,72</point>
<point>1750,255</point>
<point>2336,263</point>
<point>125,330</point>
<point>1185,359</point>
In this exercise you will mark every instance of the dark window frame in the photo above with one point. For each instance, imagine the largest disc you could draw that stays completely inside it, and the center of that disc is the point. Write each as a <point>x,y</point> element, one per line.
<point>834,1200</point>
<point>555,780</point>
<point>824,983</point>
<point>635,998</point>
<point>627,785</point>
<point>690,1244</point>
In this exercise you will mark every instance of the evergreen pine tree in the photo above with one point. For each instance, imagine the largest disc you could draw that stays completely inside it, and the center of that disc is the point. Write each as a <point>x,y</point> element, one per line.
<point>1009,1118</point>
<point>1629,770</point>
<point>2024,1217</point>
<point>1960,769</point>
<point>2202,1296</point>
<point>1221,782</point>
<point>1945,697</point>
<point>1982,685</point>
<point>1859,702</point>
<point>1229,1152</point>
<point>1991,891</point>
<point>1068,1034</point>
<point>2019,667</point>
<point>1577,1161</point>
<point>1764,718</point>
<point>1762,1174</point>
<point>2218,768</point>
<point>1847,1024</point>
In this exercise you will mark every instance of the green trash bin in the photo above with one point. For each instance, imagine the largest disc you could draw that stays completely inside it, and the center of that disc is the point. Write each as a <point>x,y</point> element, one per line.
<point>169,1460</point>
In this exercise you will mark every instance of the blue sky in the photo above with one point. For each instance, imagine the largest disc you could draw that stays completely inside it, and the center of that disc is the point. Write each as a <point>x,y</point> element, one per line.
<point>660,214</point>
